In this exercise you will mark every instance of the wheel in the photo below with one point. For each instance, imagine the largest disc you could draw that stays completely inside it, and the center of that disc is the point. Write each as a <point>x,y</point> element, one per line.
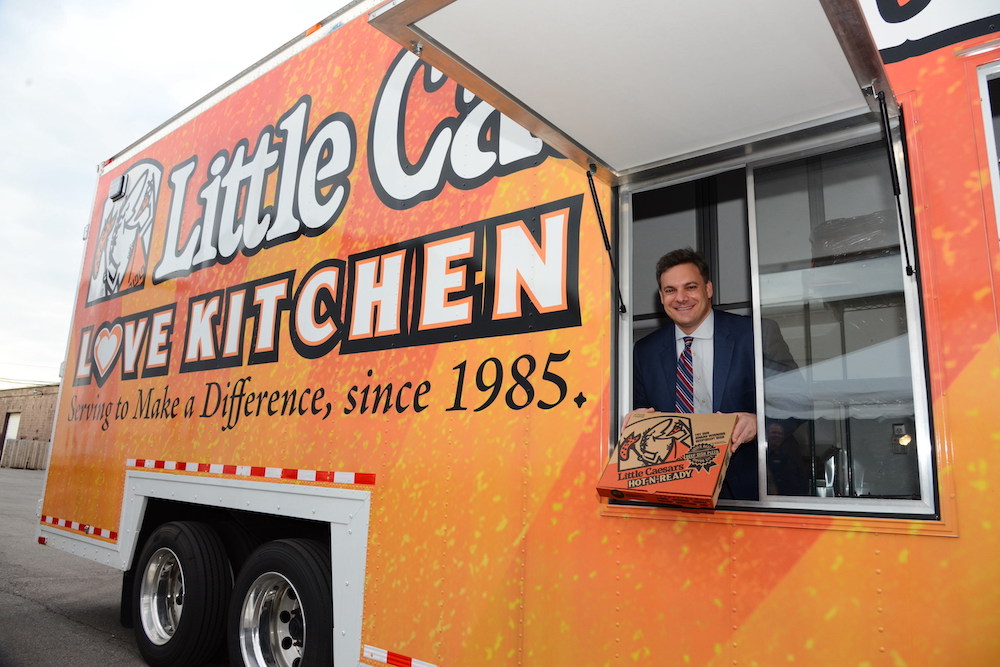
<point>180,593</point>
<point>281,613</point>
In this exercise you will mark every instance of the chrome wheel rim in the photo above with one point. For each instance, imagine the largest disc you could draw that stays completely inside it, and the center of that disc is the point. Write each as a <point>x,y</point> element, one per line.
<point>161,596</point>
<point>272,626</point>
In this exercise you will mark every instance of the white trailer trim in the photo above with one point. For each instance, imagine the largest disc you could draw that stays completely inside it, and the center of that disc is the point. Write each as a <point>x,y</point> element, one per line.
<point>346,510</point>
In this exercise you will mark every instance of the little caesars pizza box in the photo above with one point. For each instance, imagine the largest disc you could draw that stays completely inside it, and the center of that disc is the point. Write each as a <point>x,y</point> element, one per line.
<point>676,459</point>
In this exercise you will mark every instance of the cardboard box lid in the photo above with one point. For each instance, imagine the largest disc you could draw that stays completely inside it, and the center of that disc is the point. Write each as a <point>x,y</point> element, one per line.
<point>663,457</point>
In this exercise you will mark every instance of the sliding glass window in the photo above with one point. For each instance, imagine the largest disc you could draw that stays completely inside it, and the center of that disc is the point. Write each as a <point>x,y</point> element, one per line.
<point>810,246</point>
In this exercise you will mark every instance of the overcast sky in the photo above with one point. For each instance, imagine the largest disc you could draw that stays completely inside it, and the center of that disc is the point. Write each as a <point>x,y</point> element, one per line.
<point>81,80</point>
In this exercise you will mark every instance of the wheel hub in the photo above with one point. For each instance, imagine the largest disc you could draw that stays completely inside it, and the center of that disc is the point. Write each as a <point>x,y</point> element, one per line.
<point>161,596</point>
<point>272,631</point>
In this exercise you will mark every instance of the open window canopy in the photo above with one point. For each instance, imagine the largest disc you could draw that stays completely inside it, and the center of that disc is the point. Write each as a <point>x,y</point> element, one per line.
<point>638,85</point>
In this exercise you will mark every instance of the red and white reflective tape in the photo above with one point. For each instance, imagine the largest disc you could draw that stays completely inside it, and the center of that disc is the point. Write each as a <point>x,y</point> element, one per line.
<point>256,471</point>
<point>80,527</point>
<point>395,659</point>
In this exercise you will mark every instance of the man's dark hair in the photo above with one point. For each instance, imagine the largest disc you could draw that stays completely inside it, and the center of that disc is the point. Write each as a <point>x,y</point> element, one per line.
<point>682,256</point>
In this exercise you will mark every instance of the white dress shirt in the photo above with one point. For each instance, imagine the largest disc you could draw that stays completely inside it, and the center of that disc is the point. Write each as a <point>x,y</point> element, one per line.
<point>702,358</point>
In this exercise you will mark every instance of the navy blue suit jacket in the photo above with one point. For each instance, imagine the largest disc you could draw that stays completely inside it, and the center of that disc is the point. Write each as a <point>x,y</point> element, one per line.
<point>733,386</point>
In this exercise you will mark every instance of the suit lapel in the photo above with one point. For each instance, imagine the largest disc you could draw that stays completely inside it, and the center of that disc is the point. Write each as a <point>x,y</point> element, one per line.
<point>669,360</point>
<point>722,348</point>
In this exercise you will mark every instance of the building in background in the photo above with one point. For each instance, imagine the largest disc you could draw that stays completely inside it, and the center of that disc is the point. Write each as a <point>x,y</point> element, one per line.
<point>27,414</point>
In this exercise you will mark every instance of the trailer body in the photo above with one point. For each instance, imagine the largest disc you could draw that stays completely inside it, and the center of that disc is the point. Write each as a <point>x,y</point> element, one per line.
<point>345,302</point>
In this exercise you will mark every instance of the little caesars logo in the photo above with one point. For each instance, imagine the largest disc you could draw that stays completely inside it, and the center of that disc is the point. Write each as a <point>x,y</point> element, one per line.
<point>661,449</point>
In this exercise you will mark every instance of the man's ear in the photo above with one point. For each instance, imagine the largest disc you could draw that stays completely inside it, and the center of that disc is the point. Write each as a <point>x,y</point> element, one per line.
<point>709,289</point>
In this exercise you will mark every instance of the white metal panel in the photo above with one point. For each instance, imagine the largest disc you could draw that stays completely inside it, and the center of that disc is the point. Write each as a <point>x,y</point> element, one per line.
<point>644,82</point>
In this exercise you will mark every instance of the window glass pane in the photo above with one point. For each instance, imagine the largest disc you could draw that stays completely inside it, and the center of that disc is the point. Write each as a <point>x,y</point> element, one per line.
<point>708,215</point>
<point>992,122</point>
<point>993,86</point>
<point>731,260</point>
<point>839,418</point>
<point>663,219</point>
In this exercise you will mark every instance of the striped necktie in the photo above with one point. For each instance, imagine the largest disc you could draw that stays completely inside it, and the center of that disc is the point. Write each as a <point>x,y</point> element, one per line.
<point>684,398</point>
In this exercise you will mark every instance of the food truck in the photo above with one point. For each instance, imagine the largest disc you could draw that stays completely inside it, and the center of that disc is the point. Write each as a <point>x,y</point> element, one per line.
<point>352,345</point>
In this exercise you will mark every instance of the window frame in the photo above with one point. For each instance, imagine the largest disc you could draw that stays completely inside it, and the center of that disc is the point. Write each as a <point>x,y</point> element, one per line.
<point>783,150</point>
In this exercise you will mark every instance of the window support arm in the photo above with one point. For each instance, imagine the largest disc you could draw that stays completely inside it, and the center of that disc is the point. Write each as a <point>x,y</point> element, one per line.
<point>896,191</point>
<point>604,233</point>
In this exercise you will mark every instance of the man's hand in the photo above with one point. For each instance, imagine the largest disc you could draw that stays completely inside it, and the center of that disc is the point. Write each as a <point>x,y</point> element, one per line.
<point>745,429</point>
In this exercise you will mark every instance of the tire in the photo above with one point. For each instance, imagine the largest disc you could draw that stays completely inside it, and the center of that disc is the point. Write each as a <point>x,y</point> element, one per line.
<point>238,542</point>
<point>180,594</point>
<point>281,611</point>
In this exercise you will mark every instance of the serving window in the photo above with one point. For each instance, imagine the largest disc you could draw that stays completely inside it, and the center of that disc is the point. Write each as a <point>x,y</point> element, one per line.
<point>806,240</point>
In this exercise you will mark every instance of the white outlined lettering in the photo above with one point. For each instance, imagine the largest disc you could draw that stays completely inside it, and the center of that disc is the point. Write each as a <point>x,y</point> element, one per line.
<point>442,280</point>
<point>534,269</point>
<point>378,296</point>
<point>508,275</point>
<point>312,190</point>
<point>465,150</point>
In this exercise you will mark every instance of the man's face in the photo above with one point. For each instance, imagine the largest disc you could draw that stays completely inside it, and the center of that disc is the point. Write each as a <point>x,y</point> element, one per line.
<point>686,297</point>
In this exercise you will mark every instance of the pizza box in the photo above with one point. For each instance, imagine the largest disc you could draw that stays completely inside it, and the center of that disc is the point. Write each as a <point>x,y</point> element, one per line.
<point>675,459</point>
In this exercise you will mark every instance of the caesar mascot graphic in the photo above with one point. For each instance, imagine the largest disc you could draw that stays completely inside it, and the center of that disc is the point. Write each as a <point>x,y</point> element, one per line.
<point>656,440</point>
<point>121,254</point>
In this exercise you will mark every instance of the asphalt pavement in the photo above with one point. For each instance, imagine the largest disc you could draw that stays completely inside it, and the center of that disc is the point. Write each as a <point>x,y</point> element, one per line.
<point>55,609</point>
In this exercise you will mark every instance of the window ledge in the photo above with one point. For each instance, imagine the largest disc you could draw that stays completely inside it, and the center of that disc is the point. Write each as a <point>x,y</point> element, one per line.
<point>945,527</point>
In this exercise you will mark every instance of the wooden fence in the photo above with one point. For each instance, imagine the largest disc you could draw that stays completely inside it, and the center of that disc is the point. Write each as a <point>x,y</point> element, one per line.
<point>27,454</point>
